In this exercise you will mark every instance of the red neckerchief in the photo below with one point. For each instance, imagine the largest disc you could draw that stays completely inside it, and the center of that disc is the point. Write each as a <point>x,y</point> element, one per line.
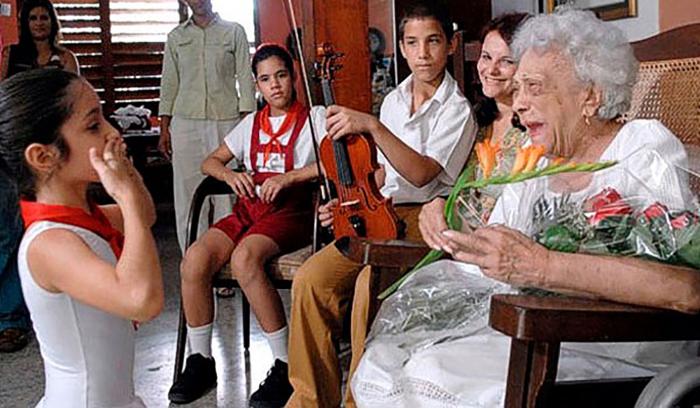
<point>266,126</point>
<point>95,222</point>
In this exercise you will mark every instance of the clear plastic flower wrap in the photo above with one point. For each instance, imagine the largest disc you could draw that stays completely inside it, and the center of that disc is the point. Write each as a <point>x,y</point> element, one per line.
<point>445,299</point>
<point>622,214</point>
<point>473,206</point>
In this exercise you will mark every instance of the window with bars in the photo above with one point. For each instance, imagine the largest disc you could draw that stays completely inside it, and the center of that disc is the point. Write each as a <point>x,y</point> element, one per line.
<point>119,45</point>
<point>139,21</point>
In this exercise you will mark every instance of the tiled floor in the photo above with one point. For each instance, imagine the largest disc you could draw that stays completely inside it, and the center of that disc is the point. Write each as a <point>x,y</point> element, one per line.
<point>22,377</point>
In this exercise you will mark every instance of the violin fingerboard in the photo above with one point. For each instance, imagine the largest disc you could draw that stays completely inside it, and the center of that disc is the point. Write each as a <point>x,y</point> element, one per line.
<point>328,98</point>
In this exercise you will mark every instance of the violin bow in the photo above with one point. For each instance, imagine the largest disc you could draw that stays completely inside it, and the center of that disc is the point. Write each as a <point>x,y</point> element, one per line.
<point>324,185</point>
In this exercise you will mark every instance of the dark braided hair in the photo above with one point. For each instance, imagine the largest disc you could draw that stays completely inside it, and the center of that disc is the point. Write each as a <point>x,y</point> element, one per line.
<point>267,50</point>
<point>34,105</point>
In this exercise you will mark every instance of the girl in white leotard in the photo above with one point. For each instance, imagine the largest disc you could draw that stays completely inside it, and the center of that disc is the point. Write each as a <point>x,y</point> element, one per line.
<point>88,272</point>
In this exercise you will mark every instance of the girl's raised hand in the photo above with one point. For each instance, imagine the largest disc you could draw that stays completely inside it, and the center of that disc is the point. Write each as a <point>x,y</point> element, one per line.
<point>118,176</point>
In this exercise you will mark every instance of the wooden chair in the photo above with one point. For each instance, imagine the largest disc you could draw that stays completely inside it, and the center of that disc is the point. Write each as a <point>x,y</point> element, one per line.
<point>280,269</point>
<point>668,90</point>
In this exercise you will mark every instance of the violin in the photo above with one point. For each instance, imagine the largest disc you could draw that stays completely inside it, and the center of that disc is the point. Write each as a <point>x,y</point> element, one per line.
<point>350,164</point>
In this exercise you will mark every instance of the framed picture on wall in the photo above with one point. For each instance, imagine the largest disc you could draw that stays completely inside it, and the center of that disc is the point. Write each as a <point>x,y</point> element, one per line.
<point>604,9</point>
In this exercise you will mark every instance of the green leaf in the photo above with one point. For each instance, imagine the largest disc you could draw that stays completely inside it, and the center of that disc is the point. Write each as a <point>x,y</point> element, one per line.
<point>616,232</point>
<point>689,253</point>
<point>560,238</point>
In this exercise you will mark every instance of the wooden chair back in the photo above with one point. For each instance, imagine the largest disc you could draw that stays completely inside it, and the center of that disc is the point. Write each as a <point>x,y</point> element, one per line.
<point>668,90</point>
<point>668,87</point>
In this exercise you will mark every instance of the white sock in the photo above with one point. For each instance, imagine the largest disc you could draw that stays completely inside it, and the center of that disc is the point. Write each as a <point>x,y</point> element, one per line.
<point>278,343</point>
<point>200,339</point>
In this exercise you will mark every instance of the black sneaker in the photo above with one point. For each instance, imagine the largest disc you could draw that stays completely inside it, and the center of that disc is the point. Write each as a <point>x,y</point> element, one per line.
<point>275,390</point>
<point>198,378</point>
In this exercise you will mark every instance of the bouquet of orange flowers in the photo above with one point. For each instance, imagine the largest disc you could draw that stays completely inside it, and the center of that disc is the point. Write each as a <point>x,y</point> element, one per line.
<point>524,168</point>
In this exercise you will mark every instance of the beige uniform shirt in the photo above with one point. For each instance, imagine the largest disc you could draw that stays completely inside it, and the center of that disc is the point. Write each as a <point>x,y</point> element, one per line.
<point>201,67</point>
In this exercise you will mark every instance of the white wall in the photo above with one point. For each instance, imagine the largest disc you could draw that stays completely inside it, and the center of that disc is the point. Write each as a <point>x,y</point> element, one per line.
<point>503,6</point>
<point>644,25</point>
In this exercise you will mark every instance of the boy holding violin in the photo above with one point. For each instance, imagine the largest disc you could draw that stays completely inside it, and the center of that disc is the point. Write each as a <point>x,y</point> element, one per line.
<point>424,134</point>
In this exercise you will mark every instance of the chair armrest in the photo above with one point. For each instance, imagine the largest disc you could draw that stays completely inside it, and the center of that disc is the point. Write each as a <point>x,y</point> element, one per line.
<point>383,253</point>
<point>557,319</point>
<point>208,186</point>
<point>212,186</point>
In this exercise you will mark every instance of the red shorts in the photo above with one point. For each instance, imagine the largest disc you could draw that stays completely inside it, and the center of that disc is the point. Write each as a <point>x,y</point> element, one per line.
<point>289,223</point>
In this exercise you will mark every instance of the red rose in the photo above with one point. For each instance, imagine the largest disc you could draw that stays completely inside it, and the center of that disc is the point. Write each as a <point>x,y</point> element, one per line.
<point>605,204</point>
<point>607,196</point>
<point>655,210</point>
<point>684,220</point>
<point>619,207</point>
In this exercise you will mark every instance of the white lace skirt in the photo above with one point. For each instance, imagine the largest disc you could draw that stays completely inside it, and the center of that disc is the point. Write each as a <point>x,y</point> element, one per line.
<point>453,364</point>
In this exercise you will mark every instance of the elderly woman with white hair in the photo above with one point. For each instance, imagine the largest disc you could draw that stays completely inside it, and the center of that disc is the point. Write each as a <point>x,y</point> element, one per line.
<point>430,344</point>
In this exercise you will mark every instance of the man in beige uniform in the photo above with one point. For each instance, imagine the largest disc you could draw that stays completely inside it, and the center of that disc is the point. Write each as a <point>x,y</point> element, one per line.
<point>425,133</point>
<point>199,104</point>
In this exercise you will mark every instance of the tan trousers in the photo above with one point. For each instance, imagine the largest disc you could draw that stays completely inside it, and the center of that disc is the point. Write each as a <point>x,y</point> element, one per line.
<point>321,292</point>
<point>192,141</point>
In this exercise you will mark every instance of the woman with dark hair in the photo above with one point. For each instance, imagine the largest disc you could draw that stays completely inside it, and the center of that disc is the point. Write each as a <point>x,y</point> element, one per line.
<point>497,121</point>
<point>496,67</point>
<point>39,39</point>
<point>87,271</point>
<point>273,214</point>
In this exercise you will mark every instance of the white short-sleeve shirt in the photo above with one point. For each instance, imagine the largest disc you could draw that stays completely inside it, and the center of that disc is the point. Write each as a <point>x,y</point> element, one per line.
<point>239,139</point>
<point>442,129</point>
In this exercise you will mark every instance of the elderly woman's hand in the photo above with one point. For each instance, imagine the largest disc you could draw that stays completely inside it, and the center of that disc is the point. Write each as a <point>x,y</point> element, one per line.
<point>502,254</point>
<point>431,223</point>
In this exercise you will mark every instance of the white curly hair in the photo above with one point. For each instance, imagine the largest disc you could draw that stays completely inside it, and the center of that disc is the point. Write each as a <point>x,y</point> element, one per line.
<point>600,53</point>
